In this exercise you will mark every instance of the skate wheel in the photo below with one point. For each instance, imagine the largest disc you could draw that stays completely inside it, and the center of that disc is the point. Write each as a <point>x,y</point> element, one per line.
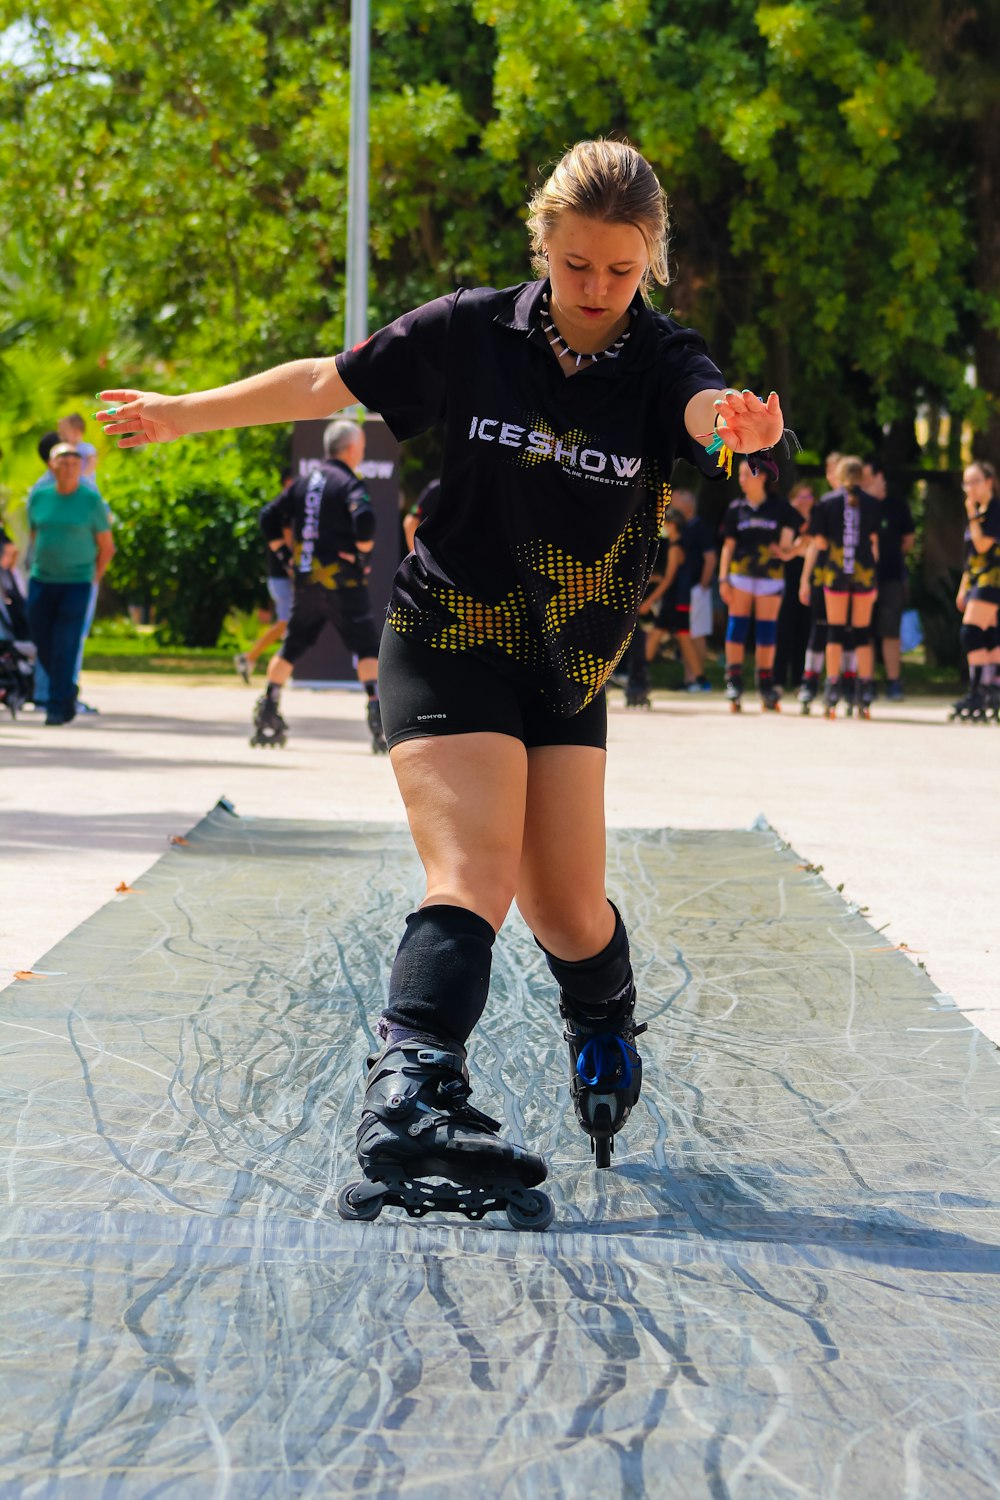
<point>363,1214</point>
<point>602,1147</point>
<point>538,1214</point>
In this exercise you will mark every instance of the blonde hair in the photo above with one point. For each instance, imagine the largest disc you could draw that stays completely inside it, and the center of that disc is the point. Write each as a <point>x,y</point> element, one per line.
<point>849,471</point>
<point>611,182</point>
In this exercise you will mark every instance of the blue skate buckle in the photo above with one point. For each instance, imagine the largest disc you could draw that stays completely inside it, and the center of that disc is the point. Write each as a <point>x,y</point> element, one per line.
<point>606,1059</point>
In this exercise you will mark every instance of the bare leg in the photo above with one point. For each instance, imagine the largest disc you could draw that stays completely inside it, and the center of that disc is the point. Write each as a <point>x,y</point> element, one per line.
<point>271,636</point>
<point>464,796</point>
<point>560,886</point>
<point>836,614</point>
<point>862,608</point>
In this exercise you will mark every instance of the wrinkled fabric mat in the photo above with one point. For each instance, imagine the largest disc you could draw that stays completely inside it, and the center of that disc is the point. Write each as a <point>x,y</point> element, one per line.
<point>787,1285</point>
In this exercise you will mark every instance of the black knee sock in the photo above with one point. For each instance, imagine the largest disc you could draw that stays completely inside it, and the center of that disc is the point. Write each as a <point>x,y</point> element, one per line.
<point>371,688</point>
<point>598,989</point>
<point>273,691</point>
<point>441,975</point>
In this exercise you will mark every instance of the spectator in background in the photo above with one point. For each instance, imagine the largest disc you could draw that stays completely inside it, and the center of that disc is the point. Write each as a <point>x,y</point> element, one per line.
<point>701,558</point>
<point>794,617</point>
<point>71,548</point>
<point>895,542</point>
<point>831,468</point>
<point>279,586</point>
<point>46,445</point>
<point>71,430</point>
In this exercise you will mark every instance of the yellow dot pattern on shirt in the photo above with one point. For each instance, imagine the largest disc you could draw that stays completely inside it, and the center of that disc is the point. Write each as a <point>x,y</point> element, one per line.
<point>530,632</point>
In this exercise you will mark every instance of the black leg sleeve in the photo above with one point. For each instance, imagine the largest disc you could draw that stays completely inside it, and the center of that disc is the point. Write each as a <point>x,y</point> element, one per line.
<point>598,989</point>
<point>441,976</point>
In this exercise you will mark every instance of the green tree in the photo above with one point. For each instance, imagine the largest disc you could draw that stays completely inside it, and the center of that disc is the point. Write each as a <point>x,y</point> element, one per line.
<point>189,164</point>
<point>187,533</point>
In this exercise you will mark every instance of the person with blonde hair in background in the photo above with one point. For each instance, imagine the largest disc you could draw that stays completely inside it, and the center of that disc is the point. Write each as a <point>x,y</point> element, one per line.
<point>844,527</point>
<point>979,592</point>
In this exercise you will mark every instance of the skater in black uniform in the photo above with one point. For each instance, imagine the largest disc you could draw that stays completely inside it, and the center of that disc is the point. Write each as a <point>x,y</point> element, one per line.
<point>565,402</point>
<point>844,528</point>
<point>979,592</point>
<point>323,527</point>
<point>759,532</point>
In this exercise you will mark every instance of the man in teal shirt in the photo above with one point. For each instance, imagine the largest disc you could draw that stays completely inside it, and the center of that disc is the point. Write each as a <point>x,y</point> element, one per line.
<point>71,548</point>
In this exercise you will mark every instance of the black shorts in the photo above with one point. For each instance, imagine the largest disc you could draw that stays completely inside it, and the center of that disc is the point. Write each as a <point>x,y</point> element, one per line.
<point>674,617</point>
<point>889,609</point>
<point>424,692</point>
<point>348,610</point>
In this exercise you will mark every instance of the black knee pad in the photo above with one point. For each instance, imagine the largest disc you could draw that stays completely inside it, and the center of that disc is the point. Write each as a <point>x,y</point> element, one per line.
<point>992,637</point>
<point>601,988</point>
<point>862,636</point>
<point>441,976</point>
<point>818,635</point>
<point>973,638</point>
<point>836,635</point>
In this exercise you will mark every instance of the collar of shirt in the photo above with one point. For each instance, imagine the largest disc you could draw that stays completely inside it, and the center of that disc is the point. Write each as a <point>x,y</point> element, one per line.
<point>523,318</point>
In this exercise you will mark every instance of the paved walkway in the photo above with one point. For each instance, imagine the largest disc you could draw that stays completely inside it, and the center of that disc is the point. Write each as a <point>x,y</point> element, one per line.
<point>901,811</point>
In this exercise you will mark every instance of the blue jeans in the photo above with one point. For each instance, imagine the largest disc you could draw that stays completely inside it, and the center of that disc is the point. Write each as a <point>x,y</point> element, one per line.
<point>42,677</point>
<point>56,616</point>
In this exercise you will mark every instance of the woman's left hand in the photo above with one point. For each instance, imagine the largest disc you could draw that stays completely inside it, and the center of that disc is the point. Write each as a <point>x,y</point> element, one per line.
<point>746,423</point>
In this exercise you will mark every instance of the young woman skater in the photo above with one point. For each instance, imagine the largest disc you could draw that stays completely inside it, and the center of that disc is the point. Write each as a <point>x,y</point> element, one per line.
<point>759,531</point>
<point>565,402</point>
<point>979,592</point>
<point>844,526</point>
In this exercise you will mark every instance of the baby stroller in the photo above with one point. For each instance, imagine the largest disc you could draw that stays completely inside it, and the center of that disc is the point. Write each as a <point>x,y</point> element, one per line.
<point>17,657</point>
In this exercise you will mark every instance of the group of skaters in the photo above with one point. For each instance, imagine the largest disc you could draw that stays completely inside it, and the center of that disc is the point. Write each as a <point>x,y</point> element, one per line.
<point>820,580</point>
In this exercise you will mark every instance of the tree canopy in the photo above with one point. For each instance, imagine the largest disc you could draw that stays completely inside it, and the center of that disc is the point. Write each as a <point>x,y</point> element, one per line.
<point>179,174</point>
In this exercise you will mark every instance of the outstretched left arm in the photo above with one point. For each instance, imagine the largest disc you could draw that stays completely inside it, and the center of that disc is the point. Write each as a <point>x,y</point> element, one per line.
<point>745,423</point>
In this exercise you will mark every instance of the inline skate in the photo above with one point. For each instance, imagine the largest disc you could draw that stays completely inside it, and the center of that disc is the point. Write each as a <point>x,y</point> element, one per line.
<point>808,691</point>
<point>970,709</point>
<point>864,697</point>
<point>605,1076</point>
<point>734,689</point>
<point>831,697</point>
<point>379,746</point>
<point>269,728</point>
<point>770,693</point>
<point>417,1123</point>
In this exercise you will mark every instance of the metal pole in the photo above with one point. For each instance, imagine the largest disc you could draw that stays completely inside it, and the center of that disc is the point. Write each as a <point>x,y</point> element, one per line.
<point>356,314</point>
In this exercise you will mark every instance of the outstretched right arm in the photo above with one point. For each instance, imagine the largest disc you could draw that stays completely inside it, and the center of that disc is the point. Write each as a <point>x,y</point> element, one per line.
<point>302,390</point>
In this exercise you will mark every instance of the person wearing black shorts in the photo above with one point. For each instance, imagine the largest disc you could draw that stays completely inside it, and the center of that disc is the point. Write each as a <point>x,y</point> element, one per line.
<point>758,532</point>
<point>896,537</point>
<point>668,602</point>
<point>565,401</point>
<point>979,592</point>
<point>844,528</point>
<point>323,527</point>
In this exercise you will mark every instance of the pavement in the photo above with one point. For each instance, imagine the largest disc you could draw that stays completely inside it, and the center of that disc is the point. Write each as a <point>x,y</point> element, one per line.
<point>900,812</point>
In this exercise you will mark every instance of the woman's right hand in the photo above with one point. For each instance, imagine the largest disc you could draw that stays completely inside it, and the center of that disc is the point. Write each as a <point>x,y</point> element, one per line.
<point>805,594</point>
<point>725,592</point>
<point>138,417</point>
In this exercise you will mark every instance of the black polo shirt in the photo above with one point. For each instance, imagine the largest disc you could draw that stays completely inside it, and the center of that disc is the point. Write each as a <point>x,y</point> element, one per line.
<point>328,512</point>
<point>553,489</point>
<point>755,529</point>
<point>895,522</point>
<point>849,546</point>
